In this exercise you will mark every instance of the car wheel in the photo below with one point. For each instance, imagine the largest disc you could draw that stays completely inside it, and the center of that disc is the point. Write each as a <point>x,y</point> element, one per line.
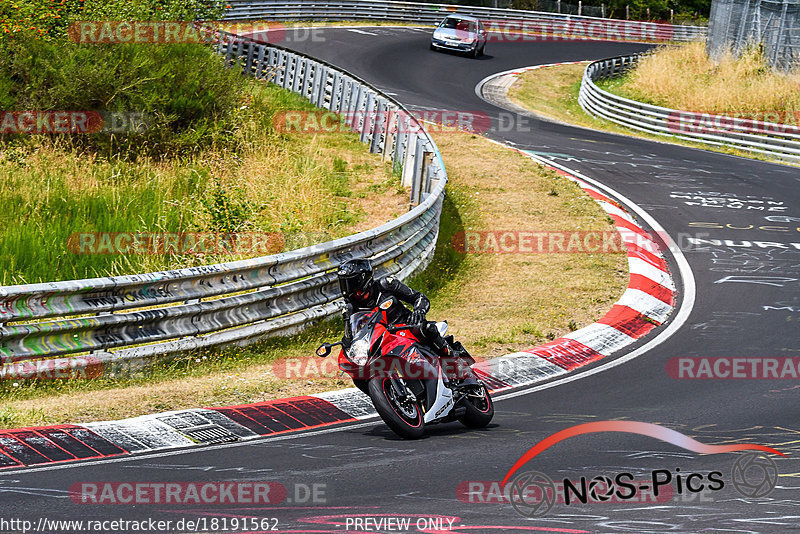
<point>432,47</point>
<point>475,52</point>
<point>483,49</point>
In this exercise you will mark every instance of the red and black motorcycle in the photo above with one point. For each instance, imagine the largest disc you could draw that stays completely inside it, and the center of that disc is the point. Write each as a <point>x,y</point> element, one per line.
<point>410,386</point>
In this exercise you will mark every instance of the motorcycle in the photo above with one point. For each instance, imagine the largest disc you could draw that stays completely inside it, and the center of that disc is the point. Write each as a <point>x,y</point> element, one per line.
<point>409,385</point>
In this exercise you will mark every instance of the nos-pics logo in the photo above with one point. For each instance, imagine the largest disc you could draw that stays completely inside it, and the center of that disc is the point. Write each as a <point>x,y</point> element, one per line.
<point>533,493</point>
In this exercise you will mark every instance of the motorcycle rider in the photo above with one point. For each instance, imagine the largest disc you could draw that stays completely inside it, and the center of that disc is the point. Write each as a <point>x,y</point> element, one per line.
<point>362,292</point>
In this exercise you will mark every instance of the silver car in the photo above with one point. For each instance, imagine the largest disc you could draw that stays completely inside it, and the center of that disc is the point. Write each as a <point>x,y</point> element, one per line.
<point>460,33</point>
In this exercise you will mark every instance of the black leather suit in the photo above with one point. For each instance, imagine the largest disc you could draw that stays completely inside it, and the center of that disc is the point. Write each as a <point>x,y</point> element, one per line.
<point>392,287</point>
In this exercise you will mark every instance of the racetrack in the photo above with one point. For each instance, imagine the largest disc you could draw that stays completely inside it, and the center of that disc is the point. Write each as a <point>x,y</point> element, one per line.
<point>747,305</point>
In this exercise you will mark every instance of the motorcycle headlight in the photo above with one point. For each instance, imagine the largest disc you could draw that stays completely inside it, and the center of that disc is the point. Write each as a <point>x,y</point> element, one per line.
<point>359,351</point>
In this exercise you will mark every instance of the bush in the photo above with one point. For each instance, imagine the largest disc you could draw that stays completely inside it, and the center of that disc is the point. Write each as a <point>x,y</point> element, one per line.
<point>51,18</point>
<point>188,99</point>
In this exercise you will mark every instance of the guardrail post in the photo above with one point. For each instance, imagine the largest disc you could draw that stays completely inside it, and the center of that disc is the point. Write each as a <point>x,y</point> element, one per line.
<point>409,160</point>
<point>304,89</point>
<point>390,133</point>
<point>427,170</point>
<point>353,118</point>
<point>417,182</point>
<point>260,62</point>
<point>336,90</point>
<point>378,126</point>
<point>368,122</point>
<point>280,68</point>
<point>287,70</point>
<point>248,64</point>
<point>401,125</point>
<point>229,51</point>
<point>320,82</point>
<point>299,65</point>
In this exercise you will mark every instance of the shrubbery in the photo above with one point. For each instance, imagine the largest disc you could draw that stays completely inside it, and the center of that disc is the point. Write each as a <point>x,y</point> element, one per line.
<point>51,18</point>
<point>186,97</point>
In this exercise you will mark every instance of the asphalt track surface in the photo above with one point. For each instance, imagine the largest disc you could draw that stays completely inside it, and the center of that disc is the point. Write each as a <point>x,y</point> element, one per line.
<point>747,305</point>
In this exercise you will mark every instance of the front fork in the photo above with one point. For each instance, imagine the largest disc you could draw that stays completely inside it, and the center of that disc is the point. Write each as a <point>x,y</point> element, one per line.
<point>401,390</point>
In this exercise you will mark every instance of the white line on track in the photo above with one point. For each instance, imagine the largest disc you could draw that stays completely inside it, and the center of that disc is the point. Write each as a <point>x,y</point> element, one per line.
<point>354,30</point>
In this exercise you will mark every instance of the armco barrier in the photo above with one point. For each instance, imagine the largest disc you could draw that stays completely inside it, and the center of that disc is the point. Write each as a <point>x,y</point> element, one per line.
<point>116,324</point>
<point>386,10</point>
<point>768,138</point>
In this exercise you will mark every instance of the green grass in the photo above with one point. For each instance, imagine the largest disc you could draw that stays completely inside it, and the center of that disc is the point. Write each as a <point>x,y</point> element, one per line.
<point>301,187</point>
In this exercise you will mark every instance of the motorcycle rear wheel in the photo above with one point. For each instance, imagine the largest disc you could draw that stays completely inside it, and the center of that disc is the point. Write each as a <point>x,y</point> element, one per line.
<point>480,411</point>
<point>403,417</point>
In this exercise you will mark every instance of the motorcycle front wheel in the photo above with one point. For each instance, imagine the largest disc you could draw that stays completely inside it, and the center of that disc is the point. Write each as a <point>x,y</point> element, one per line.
<point>479,409</point>
<point>404,416</point>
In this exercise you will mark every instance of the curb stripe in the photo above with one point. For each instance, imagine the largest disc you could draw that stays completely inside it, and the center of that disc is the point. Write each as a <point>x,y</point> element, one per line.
<point>651,287</point>
<point>646,304</point>
<point>639,266</point>
<point>567,353</point>
<point>635,251</point>
<point>621,222</point>
<point>629,321</point>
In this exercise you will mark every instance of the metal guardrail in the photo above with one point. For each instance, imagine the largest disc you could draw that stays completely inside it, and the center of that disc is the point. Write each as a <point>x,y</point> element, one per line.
<point>568,26</point>
<point>768,138</point>
<point>116,324</point>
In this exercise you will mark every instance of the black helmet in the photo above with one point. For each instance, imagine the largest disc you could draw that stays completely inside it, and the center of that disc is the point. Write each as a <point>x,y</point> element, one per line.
<point>355,277</point>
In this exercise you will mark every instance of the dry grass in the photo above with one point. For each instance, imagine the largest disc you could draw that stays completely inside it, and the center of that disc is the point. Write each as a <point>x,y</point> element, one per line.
<point>499,303</point>
<point>495,303</point>
<point>684,77</point>
<point>552,92</point>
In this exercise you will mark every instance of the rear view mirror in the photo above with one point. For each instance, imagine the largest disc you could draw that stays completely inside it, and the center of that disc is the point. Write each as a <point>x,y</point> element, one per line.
<point>323,350</point>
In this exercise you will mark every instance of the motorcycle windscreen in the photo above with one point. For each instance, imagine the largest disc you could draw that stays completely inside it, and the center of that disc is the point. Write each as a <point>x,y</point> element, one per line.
<point>358,321</point>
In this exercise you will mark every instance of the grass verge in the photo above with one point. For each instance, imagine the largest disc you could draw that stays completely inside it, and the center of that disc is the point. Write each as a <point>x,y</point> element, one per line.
<point>552,92</point>
<point>684,77</point>
<point>495,303</point>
